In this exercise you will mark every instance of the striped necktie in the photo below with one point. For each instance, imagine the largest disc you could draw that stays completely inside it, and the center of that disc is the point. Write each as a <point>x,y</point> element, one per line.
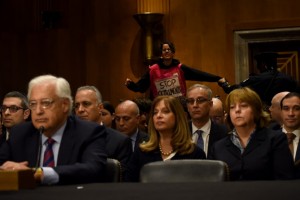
<point>48,155</point>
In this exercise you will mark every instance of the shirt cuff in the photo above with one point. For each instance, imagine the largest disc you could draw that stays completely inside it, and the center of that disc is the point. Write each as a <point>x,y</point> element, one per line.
<point>50,176</point>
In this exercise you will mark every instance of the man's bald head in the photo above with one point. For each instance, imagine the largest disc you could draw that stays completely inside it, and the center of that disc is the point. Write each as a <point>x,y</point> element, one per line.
<point>275,109</point>
<point>127,116</point>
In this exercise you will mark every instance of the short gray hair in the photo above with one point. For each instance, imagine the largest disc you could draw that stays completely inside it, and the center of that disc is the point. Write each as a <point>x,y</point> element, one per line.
<point>63,89</point>
<point>93,88</point>
<point>208,90</point>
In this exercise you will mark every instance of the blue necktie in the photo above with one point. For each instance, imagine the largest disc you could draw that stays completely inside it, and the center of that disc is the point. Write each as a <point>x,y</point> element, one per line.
<point>200,142</point>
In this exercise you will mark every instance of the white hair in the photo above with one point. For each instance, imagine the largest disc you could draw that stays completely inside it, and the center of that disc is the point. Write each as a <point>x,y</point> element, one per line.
<point>62,87</point>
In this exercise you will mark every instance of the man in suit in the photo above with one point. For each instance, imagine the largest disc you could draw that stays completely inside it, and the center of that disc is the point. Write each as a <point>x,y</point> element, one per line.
<point>72,150</point>
<point>199,103</point>
<point>88,106</point>
<point>216,112</point>
<point>14,110</point>
<point>127,118</point>
<point>275,111</point>
<point>290,112</point>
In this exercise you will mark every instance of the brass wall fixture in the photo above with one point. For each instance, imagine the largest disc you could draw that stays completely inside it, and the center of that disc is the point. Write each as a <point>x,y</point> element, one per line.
<point>152,35</point>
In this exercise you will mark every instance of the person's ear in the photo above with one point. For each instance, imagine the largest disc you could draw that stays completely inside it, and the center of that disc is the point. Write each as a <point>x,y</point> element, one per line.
<point>26,114</point>
<point>100,106</point>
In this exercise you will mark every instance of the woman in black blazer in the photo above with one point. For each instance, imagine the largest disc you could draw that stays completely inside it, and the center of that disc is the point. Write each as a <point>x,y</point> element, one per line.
<point>252,151</point>
<point>169,137</point>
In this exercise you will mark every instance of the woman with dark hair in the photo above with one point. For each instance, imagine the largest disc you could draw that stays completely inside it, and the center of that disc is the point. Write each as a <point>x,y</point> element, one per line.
<point>107,114</point>
<point>168,76</point>
<point>252,151</point>
<point>169,137</point>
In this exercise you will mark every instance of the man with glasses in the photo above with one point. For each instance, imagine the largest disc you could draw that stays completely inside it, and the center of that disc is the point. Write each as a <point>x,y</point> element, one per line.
<point>14,110</point>
<point>62,148</point>
<point>205,131</point>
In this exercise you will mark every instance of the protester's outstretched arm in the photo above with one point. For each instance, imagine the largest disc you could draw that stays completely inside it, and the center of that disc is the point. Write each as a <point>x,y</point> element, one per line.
<point>141,86</point>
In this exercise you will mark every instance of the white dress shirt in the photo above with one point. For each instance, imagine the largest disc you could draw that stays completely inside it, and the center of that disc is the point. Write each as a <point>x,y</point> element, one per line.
<point>205,135</point>
<point>50,175</point>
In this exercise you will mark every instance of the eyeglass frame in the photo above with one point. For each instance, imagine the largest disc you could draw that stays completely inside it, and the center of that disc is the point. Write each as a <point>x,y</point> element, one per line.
<point>199,100</point>
<point>12,108</point>
<point>45,104</point>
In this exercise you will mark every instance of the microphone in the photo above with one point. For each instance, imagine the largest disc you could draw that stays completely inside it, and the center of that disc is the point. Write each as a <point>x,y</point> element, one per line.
<point>38,160</point>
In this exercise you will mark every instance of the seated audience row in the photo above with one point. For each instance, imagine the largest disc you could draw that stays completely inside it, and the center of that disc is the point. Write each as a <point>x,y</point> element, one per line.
<point>65,149</point>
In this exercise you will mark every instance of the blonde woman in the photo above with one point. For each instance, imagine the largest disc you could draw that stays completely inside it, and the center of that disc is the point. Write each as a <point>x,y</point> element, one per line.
<point>169,137</point>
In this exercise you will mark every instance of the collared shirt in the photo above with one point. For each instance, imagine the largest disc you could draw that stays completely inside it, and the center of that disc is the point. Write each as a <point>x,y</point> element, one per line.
<point>7,135</point>
<point>133,139</point>
<point>205,135</point>
<point>295,141</point>
<point>236,140</point>
<point>50,175</point>
<point>170,156</point>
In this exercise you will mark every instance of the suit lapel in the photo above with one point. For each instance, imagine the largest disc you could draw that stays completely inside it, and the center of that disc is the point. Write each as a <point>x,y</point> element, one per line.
<point>31,148</point>
<point>67,144</point>
<point>232,148</point>
<point>298,152</point>
<point>212,135</point>
<point>257,139</point>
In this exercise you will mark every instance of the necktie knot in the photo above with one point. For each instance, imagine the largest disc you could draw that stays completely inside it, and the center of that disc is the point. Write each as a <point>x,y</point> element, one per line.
<point>199,132</point>
<point>50,141</point>
<point>290,137</point>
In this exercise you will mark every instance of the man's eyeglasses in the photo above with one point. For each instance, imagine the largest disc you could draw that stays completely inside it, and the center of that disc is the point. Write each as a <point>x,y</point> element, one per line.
<point>199,100</point>
<point>45,104</point>
<point>12,109</point>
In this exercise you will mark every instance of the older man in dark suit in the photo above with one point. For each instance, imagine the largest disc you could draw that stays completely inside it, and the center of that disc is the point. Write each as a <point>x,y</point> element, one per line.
<point>205,131</point>
<point>127,116</point>
<point>69,150</point>
<point>88,106</point>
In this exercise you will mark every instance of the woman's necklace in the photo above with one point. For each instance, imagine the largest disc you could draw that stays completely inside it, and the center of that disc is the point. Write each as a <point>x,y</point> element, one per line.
<point>163,153</point>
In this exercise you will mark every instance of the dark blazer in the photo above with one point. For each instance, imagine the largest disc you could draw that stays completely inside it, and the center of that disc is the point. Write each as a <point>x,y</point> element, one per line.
<point>81,156</point>
<point>2,135</point>
<point>266,157</point>
<point>275,126</point>
<point>140,138</point>
<point>217,132</point>
<point>298,153</point>
<point>118,146</point>
<point>140,158</point>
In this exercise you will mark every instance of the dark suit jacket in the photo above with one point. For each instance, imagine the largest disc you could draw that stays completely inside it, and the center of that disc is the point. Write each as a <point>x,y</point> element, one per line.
<point>118,146</point>
<point>275,126</point>
<point>81,156</point>
<point>2,136</point>
<point>266,157</point>
<point>217,132</point>
<point>140,158</point>
<point>140,138</point>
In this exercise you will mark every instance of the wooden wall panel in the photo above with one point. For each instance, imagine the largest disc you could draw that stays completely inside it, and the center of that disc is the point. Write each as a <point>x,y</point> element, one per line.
<point>99,42</point>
